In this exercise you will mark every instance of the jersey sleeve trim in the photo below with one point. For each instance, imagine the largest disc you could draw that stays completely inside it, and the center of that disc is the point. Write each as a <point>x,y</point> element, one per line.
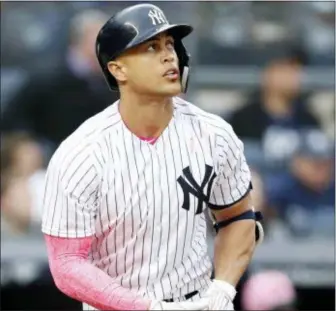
<point>67,234</point>
<point>221,207</point>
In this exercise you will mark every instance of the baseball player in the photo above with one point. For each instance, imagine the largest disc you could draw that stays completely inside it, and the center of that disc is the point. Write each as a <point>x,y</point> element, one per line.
<point>126,194</point>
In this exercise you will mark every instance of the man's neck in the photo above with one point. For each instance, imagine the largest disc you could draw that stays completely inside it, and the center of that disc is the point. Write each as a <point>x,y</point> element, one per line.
<point>146,116</point>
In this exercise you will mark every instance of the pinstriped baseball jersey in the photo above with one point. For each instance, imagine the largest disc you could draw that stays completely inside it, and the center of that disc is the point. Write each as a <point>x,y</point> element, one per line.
<point>144,203</point>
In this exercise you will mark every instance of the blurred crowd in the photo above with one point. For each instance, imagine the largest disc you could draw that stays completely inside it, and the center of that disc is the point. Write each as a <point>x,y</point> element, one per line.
<point>288,142</point>
<point>47,108</point>
<point>289,151</point>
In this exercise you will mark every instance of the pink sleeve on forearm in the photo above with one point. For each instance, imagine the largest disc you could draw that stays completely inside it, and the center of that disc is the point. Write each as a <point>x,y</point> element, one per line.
<point>76,277</point>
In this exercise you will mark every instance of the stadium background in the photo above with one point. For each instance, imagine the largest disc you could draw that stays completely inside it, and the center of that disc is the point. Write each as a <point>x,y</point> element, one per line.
<point>267,67</point>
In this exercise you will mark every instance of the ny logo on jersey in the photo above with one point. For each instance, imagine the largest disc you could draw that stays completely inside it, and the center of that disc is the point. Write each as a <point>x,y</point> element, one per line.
<point>157,17</point>
<point>190,186</point>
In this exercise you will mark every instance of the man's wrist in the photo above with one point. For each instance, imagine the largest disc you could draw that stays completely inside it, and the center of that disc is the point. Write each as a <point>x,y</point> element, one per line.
<point>226,287</point>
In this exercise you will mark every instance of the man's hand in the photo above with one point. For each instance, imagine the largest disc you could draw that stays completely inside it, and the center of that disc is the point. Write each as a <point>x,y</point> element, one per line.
<point>220,295</point>
<point>202,304</point>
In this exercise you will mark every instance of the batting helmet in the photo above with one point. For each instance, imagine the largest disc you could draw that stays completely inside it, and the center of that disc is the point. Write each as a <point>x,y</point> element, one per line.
<point>133,26</point>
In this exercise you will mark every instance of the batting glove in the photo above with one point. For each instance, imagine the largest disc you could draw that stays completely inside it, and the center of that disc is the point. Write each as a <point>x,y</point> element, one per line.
<point>202,304</point>
<point>220,295</point>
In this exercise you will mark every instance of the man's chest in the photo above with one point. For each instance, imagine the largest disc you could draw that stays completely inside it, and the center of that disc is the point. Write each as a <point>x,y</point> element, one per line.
<point>172,177</point>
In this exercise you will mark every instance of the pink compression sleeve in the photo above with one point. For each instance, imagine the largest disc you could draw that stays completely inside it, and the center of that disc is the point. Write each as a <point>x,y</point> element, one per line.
<point>76,277</point>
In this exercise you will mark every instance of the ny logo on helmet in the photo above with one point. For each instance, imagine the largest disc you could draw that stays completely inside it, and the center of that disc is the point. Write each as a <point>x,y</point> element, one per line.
<point>157,17</point>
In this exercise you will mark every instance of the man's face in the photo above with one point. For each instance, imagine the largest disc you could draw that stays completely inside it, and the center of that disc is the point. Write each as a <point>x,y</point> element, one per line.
<point>145,68</point>
<point>283,77</point>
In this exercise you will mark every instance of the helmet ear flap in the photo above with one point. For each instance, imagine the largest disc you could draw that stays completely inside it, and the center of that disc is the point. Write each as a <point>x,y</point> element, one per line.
<point>110,80</point>
<point>184,68</point>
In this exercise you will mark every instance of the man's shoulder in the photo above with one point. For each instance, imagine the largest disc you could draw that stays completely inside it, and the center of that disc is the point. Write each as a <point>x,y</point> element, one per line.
<point>214,124</point>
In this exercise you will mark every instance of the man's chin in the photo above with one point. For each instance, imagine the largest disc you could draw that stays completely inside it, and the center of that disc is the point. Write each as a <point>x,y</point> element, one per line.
<point>172,90</point>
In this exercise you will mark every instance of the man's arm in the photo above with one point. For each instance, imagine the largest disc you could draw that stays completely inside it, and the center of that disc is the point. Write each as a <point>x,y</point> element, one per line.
<point>234,243</point>
<point>70,206</point>
<point>234,219</point>
<point>237,231</point>
<point>76,277</point>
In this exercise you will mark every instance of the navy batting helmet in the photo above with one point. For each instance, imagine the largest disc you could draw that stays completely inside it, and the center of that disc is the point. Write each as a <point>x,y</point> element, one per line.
<point>135,25</point>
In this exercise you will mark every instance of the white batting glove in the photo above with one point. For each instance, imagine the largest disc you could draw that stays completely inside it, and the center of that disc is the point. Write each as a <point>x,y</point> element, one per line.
<point>220,295</point>
<point>202,304</point>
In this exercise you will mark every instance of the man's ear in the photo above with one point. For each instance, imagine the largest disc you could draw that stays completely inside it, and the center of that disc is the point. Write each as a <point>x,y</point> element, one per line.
<point>118,70</point>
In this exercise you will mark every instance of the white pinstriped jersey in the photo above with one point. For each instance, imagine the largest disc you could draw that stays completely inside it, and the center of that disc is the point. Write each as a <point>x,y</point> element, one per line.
<point>144,204</point>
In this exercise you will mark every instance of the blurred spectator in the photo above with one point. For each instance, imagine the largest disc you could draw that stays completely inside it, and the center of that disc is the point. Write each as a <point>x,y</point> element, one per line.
<point>304,197</point>
<point>21,155</point>
<point>22,182</point>
<point>269,290</point>
<point>53,106</point>
<point>20,208</point>
<point>276,111</point>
